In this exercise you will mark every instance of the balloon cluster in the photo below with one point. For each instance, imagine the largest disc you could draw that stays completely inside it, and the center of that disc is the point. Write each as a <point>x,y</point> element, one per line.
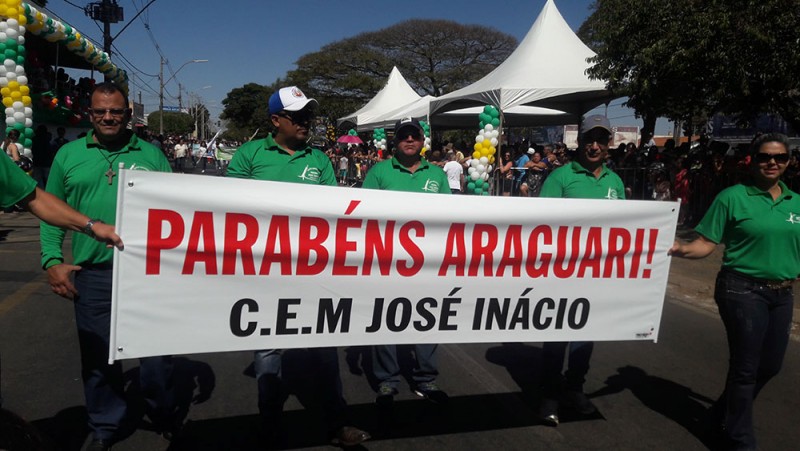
<point>480,166</point>
<point>54,31</point>
<point>379,138</point>
<point>14,88</point>
<point>352,132</point>
<point>426,128</point>
<point>330,132</point>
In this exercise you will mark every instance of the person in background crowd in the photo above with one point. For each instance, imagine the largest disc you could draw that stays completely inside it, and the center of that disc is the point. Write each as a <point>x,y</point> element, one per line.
<point>585,178</point>
<point>407,171</point>
<point>10,145</point>
<point>285,156</point>
<point>506,174</point>
<point>520,174</point>
<point>758,222</point>
<point>84,175</point>
<point>455,172</point>
<point>42,155</point>
<point>179,153</point>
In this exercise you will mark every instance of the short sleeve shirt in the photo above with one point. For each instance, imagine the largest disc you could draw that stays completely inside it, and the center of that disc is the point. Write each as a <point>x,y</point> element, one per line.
<point>576,182</point>
<point>761,235</point>
<point>393,176</point>
<point>14,184</point>
<point>264,159</point>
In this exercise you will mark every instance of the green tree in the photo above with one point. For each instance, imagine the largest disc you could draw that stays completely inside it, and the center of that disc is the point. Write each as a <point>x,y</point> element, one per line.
<point>688,59</point>
<point>434,56</point>
<point>174,123</point>
<point>246,110</point>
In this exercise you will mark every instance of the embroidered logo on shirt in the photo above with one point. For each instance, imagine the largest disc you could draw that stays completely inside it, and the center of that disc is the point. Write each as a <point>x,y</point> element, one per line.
<point>310,174</point>
<point>793,218</point>
<point>137,168</point>
<point>431,186</point>
<point>612,194</point>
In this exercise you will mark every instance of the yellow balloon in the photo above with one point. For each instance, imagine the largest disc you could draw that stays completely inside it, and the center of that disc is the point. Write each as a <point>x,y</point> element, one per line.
<point>24,89</point>
<point>12,11</point>
<point>5,92</point>
<point>478,147</point>
<point>476,155</point>
<point>13,85</point>
<point>26,100</point>
<point>491,160</point>
<point>486,144</point>
<point>492,150</point>
<point>16,95</point>
<point>8,102</point>
<point>22,19</point>
<point>485,152</point>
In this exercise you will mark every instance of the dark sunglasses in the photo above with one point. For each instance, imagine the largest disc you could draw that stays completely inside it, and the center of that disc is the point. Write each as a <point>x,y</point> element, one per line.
<point>101,112</point>
<point>599,138</point>
<point>763,157</point>
<point>413,133</point>
<point>297,118</point>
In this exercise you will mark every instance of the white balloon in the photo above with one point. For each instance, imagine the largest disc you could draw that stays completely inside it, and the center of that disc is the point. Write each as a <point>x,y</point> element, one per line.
<point>489,168</point>
<point>3,81</point>
<point>10,121</point>
<point>482,133</point>
<point>23,80</point>
<point>18,106</point>
<point>495,133</point>
<point>470,170</point>
<point>28,111</point>
<point>12,23</point>
<point>19,116</point>
<point>11,75</point>
<point>3,26</point>
<point>494,142</point>
<point>12,33</point>
<point>481,168</point>
<point>21,39</point>
<point>9,111</point>
<point>488,127</point>
<point>484,161</point>
<point>383,141</point>
<point>20,69</point>
<point>475,175</point>
<point>485,176</point>
<point>10,64</point>
<point>474,162</point>
<point>3,35</point>
<point>29,123</point>
<point>479,139</point>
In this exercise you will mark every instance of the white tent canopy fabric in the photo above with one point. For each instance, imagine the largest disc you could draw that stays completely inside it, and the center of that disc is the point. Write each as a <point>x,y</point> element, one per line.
<point>397,92</point>
<point>547,69</point>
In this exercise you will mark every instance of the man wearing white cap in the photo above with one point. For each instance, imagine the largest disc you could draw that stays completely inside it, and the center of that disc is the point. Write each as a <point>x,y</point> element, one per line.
<point>285,156</point>
<point>585,178</point>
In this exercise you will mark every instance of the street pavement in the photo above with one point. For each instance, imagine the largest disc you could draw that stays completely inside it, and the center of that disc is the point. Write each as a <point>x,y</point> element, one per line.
<point>650,396</point>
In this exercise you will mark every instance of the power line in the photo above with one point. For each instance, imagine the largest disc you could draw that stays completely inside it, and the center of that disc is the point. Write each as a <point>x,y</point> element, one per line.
<point>72,4</point>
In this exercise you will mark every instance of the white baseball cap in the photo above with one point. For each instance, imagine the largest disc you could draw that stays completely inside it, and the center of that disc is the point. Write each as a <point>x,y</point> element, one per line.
<point>290,98</point>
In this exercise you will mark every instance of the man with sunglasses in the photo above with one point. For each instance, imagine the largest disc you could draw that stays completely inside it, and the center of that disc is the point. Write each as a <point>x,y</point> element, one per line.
<point>285,156</point>
<point>84,174</point>
<point>407,171</point>
<point>585,178</point>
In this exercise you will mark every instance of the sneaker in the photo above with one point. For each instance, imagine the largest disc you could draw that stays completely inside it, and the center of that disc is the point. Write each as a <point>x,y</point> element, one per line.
<point>431,392</point>
<point>385,396</point>
<point>548,412</point>
<point>350,436</point>
<point>577,401</point>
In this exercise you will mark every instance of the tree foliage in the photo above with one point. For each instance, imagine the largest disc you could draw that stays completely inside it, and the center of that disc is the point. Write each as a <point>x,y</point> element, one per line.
<point>174,123</point>
<point>686,59</point>
<point>434,56</point>
<point>246,110</point>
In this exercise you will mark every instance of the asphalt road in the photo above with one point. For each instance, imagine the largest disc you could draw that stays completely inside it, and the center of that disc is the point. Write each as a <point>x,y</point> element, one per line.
<point>650,395</point>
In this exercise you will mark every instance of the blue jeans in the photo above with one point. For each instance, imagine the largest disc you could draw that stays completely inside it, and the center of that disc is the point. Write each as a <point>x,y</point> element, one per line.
<point>271,393</point>
<point>387,369</point>
<point>104,384</point>
<point>553,353</point>
<point>757,321</point>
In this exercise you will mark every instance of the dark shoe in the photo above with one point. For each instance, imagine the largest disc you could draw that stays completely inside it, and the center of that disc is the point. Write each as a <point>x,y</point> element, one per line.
<point>577,401</point>
<point>99,445</point>
<point>548,412</point>
<point>350,436</point>
<point>431,392</point>
<point>385,396</point>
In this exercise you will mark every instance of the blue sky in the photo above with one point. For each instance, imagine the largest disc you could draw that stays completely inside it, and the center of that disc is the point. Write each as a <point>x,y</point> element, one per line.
<point>259,40</point>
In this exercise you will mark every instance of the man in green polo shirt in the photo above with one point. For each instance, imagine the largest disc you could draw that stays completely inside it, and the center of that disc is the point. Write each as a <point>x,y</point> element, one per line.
<point>285,156</point>
<point>84,174</point>
<point>586,178</point>
<point>407,171</point>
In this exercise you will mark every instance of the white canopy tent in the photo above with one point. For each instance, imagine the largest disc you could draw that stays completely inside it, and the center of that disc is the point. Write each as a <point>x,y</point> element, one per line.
<point>547,69</point>
<point>395,93</point>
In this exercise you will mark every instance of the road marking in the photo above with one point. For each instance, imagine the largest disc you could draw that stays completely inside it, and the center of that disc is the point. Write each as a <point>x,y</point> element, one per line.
<point>24,292</point>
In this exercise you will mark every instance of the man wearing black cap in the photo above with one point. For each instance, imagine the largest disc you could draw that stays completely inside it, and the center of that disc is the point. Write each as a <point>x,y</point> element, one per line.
<point>407,171</point>
<point>285,156</point>
<point>585,178</point>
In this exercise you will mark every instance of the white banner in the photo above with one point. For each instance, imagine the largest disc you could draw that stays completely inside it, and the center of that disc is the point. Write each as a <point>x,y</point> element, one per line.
<point>254,265</point>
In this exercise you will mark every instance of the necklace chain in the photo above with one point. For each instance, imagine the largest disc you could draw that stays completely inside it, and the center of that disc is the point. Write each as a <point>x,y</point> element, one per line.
<point>110,172</point>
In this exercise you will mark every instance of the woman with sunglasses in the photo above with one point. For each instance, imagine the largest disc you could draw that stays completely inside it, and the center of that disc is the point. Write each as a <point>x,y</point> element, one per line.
<point>759,224</point>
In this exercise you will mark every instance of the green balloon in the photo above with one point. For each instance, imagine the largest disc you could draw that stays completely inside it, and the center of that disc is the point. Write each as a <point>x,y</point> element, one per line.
<point>488,109</point>
<point>478,191</point>
<point>471,187</point>
<point>28,143</point>
<point>485,193</point>
<point>496,122</point>
<point>28,133</point>
<point>494,113</point>
<point>479,183</point>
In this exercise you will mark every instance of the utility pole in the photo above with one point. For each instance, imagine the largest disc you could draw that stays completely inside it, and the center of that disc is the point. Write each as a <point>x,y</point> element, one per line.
<point>161,99</point>
<point>180,97</point>
<point>108,12</point>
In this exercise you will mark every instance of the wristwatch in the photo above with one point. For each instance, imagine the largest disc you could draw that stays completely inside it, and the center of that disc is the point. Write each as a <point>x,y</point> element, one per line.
<point>87,229</point>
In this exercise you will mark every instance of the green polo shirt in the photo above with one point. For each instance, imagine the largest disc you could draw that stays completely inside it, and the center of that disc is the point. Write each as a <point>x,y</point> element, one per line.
<point>393,176</point>
<point>15,185</point>
<point>78,176</point>
<point>576,182</point>
<point>264,159</point>
<point>761,236</point>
